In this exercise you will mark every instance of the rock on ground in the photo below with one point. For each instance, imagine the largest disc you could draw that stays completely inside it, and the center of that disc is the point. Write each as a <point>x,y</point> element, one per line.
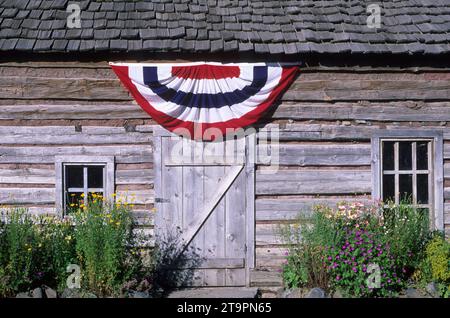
<point>316,293</point>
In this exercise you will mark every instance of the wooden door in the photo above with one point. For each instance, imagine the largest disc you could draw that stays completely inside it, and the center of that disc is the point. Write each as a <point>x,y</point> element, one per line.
<point>205,192</point>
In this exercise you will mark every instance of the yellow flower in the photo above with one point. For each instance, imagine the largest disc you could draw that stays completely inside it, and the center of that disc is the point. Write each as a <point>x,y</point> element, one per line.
<point>82,195</point>
<point>117,223</point>
<point>72,204</point>
<point>29,249</point>
<point>40,245</point>
<point>68,238</point>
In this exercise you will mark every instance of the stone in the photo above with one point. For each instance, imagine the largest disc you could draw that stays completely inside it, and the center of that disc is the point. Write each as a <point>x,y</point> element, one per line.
<point>293,293</point>
<point>49,292</point>
<point>37,293</point>
<point>315,293</point>
<point>413,293</point>
<point>70,293</point>
<point>432,290</point>
<point>23,295</point>
<point>337,294</point>
<point>138,294</point>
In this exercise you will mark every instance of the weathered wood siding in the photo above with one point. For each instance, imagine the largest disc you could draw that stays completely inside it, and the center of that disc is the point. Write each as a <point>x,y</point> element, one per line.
<point>326,120</point>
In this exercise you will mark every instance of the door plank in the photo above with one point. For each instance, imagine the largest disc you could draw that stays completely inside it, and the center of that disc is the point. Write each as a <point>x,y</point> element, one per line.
<point>193,228</point>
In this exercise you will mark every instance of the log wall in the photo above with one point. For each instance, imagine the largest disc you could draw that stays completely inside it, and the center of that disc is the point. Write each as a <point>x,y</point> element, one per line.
<point>326,120</point>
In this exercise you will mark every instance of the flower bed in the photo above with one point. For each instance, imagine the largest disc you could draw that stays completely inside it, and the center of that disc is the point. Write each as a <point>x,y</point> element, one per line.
<point>99,238</point>
<point>365,250</point>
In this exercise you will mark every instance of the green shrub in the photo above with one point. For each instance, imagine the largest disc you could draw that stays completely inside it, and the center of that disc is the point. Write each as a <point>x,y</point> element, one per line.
<point>350,265</point>
<point>55,250</point>
<point>407,230</point>
<point>105,246</point>
<point>334,248</point>
<point>306,239</point>
<point>16,251</point>
<point>435,267</point>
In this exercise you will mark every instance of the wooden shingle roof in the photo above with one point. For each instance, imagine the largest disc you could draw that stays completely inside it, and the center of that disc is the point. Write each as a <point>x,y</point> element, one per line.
<point>258,26</point>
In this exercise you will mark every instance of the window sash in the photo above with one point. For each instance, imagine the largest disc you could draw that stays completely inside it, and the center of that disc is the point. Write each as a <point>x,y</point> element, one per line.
<point>414,172</point>
<point>85,189</point>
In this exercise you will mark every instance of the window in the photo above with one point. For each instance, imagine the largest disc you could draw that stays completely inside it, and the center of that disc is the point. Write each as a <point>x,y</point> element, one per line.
<point>78,177</point>
<point>408,168</point>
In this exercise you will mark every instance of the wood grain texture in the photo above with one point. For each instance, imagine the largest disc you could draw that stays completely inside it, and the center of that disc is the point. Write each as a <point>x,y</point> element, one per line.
<point>317,154</point>
<point>314,182</point>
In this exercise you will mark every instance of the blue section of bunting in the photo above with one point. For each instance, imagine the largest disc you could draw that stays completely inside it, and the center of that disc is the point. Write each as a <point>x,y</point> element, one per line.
<point>205,100</point>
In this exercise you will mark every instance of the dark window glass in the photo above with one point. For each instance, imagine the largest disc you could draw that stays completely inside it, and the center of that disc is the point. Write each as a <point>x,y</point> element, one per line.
<point>422,155</point>
<point>388,155</point>
<point>405,187</point>
<point>388,188</point>
<point>405,155</point>
<point>74,176</point>
<point>95,177</point>
<point>422,189</point>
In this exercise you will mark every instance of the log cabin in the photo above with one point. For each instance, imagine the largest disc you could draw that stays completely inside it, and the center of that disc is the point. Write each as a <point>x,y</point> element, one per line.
<point>367,118</point>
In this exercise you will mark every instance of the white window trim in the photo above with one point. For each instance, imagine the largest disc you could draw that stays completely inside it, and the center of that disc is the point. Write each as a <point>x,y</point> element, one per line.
<point>438,166</point>
<point>61,161</point>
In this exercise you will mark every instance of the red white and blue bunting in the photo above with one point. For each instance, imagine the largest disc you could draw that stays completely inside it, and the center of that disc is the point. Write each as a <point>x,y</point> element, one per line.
<point>195,97</point>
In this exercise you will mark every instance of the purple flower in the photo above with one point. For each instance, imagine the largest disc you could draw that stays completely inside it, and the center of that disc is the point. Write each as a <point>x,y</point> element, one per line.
<point>338,277</point>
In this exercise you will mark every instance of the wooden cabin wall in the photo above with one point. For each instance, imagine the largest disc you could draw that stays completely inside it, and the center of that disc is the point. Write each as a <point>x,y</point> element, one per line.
<point>326,120</point>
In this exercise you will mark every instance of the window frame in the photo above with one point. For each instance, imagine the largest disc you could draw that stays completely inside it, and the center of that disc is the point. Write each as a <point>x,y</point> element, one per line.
<point>436,138</point>
<point>62,161</point>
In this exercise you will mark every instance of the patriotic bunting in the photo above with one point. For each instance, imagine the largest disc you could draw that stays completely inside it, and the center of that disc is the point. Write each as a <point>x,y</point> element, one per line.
<point>190,99</point>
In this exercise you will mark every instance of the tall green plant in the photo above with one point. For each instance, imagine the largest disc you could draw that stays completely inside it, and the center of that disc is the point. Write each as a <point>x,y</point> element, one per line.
<point>17,237</point>
<point>105,244</point>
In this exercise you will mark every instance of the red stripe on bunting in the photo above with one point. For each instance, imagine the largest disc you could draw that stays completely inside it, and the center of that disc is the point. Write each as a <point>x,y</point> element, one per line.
<point>197,130</point>
<point>206,71</point>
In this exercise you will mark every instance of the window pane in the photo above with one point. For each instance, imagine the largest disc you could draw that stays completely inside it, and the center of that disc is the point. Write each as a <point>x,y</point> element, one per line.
<point>405,155</point>
<point>95,177</point>
<point>388,188</point>
<point>422,189</point>
<point>388,155</point>
<point>405,187</point>
<point>74,177</point>
<point>422,155</point>
<point>73,200</point>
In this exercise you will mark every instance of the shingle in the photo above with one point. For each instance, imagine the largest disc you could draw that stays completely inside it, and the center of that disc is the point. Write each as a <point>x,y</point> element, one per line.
<point>31,23</point>
<point>9,44</point>
<point>202,46</point>
<point>118,45</point>
<point>73,45</point>
<point>87,34</point>
<point>73,33</point>
<point>25,44</point>
<point>43,45</point>
<point>101,45</point>
<point>87,45</point>
<point>9,13</point>
<point>59,45</point>
<point>129,33</point>
<point>246,47</point>
<point>134,45</point>
<point>148,34</point>
<point>177,33</point>
<point>216,45</point>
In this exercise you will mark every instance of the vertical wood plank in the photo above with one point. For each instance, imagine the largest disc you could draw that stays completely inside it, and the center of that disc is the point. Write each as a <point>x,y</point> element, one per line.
<point>235,235</point>
<point>214,227</point>
<point>250,156</point>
